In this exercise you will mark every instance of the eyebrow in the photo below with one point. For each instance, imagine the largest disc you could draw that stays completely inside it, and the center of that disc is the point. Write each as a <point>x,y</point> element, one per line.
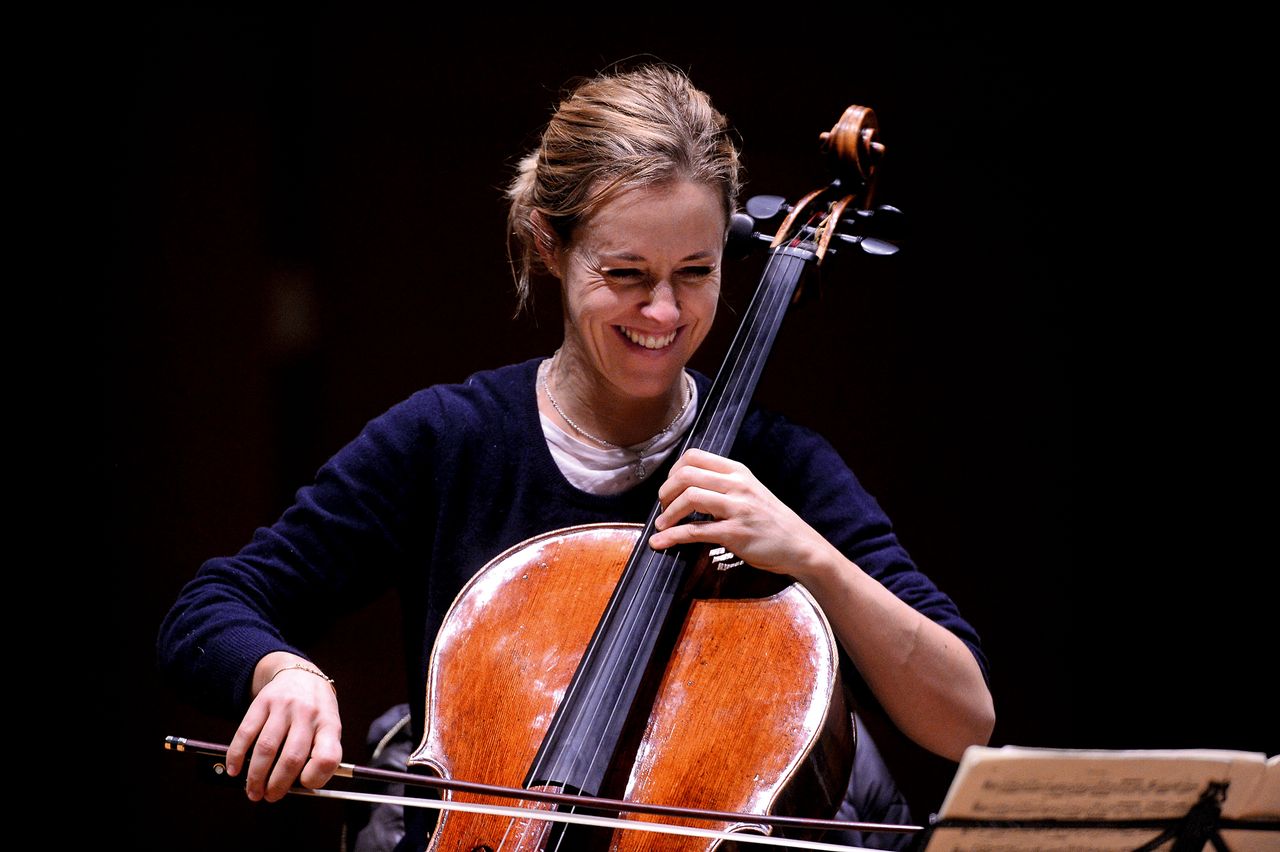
<point>627,257</point>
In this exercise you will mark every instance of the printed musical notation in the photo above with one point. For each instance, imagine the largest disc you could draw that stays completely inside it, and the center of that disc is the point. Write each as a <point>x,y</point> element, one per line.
<point>1023,784</point>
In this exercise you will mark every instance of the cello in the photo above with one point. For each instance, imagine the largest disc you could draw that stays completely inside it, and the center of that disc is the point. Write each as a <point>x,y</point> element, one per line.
<point>606,665</point>
<point>583,661</point>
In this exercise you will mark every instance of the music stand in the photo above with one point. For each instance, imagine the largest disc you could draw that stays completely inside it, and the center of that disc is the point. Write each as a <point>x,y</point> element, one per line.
<point>1012,799</point>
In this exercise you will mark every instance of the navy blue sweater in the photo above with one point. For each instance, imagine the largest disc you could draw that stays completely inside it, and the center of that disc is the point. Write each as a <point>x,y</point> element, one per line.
<point>437,486</point>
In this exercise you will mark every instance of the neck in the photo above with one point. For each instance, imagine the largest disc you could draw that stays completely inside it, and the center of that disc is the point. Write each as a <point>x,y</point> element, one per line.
<point>598,407</point>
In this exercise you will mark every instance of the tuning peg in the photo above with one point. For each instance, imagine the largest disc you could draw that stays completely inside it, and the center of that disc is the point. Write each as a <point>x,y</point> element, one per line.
<point>884,221</point>
<point>869,245</point>
<point>889,220</point>
<point>741,236</point>
<point>764,207</point>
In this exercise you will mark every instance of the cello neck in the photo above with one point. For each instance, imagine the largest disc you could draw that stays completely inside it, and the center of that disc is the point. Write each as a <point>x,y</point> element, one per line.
<point>735,383</point>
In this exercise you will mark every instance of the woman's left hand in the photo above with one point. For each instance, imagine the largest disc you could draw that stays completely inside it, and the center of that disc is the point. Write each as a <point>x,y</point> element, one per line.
<point>925,678</point>
<point>745,516</point>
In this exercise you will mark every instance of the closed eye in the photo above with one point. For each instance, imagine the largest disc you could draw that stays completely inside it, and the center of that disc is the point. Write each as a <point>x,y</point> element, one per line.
<point>697,271</point>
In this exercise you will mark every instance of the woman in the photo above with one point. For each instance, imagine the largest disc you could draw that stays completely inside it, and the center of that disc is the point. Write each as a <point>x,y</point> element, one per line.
<point>626,202</point>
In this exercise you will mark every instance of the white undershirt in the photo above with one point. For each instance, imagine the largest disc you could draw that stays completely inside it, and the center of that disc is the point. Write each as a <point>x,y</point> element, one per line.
<point>599,470</point>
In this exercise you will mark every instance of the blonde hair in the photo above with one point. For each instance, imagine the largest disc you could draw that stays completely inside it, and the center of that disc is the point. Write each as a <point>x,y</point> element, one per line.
<point>611,134</point>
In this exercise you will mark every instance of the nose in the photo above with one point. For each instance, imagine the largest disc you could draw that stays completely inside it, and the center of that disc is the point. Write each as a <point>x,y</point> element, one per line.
<point>662,307</point>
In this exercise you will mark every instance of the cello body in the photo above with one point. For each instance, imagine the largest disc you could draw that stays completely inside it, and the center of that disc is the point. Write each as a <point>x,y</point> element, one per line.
<point>743,708</point>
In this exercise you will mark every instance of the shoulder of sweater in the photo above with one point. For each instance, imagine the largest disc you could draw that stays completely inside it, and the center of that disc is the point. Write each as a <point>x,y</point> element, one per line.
<point>448,421</point>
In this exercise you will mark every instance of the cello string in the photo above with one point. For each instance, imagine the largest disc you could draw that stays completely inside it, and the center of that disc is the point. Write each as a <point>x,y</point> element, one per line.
<point>776,296</point>
<point>644,570</point>
<point>767,316</point>
<point>511,823</point>
<point>719,429</point>
<point>648,573</point>
<point>527,820</point>
<point>649,566</point>
<point>773,303</point>
<point>775,300</point>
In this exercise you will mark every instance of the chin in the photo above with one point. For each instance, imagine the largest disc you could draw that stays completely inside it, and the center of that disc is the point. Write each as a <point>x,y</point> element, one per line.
<point>651,385</point>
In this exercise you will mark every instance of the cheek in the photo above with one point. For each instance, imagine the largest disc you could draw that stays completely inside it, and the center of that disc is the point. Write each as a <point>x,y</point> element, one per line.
<point>588,307</point>
<point>704,304</point>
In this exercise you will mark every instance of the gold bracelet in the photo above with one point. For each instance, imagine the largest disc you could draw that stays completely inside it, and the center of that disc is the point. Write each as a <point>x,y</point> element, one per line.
<point>332,684</point>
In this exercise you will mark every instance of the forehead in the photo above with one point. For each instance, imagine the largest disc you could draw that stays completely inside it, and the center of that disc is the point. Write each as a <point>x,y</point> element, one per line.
<point>677,218</point>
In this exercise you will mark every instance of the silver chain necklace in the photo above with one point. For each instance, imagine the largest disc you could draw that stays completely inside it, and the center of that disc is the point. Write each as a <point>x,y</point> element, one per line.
<point>641,470</point>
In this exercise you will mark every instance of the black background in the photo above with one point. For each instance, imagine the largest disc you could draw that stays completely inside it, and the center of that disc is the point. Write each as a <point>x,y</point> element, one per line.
<point>307,226</point>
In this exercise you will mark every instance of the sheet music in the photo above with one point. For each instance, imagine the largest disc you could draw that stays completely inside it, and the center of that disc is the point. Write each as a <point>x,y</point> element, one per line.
<point>1024,784</point>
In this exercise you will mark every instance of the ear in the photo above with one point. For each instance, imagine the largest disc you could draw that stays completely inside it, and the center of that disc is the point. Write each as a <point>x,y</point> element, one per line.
<point>545,241</point>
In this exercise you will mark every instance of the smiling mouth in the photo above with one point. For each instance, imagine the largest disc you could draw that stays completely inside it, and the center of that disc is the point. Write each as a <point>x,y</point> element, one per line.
<point>648,341</point>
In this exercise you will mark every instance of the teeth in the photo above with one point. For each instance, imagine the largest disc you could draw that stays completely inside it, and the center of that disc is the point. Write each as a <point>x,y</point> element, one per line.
<point>648,341</point>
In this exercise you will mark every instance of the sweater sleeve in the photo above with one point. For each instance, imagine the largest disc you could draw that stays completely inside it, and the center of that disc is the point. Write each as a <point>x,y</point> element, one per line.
<point>340,544</point>
<point>807,474</point>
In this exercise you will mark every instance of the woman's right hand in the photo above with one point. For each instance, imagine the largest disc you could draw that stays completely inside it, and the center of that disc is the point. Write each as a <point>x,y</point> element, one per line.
<point>292,730</point>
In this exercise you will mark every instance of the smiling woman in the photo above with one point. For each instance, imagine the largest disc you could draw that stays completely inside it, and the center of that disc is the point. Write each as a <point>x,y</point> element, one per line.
<point>626,203</point>
<point>640,281</point>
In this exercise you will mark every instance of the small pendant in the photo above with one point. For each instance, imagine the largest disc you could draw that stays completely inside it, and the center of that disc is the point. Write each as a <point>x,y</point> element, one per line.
<point>641,470</point>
